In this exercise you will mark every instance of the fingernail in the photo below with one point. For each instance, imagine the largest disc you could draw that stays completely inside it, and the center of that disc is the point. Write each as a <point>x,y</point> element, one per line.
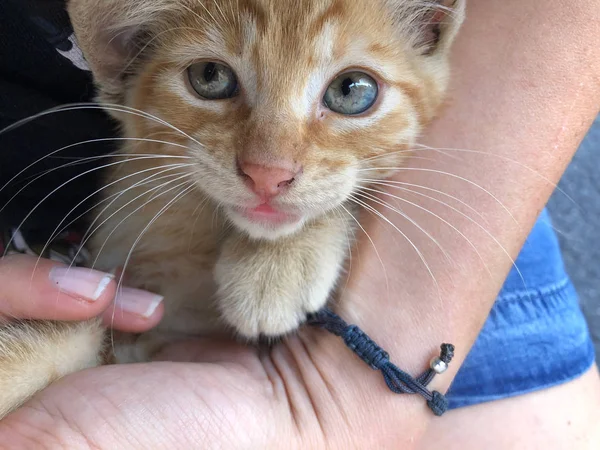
<point>81,282</point>
<point>138,302</point>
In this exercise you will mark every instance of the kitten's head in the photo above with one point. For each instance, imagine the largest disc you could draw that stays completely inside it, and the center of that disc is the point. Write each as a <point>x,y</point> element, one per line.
<point>285,106</point>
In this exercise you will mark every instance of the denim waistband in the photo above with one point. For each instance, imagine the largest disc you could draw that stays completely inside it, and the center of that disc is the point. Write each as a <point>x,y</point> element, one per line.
<point>535,337</point>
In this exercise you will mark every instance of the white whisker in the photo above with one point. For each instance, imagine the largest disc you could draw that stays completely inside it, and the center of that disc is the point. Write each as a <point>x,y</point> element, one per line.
<point>47,172</point>
<point>89,233</point>
<point>94,106</point>
<point>91,141</point>
<point>178,197</point>
<point>196,214</point>
<point>52,193</point>
<point>511,160</point>
<point>442,220</point>
<point>416,249</point>
<point>387,285</point>
<point>56,231</point>
<point>470,219</point>
<point>418,169</point>
<point>404,215</point>
<point>409,151</point>
<point>347,232</point>
<point>398,184</point>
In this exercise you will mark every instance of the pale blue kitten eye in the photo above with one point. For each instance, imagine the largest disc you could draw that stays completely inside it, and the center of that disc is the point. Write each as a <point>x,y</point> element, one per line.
<point>351,93</point>
<point>212,80</point>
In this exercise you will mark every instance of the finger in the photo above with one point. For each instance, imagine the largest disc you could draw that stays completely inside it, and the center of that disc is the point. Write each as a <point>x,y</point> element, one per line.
<point>134,311</point>
<point>44,289</point>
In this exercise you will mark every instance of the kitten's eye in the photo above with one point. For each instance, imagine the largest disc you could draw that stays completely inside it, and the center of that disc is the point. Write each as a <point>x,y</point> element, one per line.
<point>351,93</point>
<point>213,81</point>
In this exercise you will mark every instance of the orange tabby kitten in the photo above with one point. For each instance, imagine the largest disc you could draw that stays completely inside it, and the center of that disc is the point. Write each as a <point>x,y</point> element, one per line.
<point>264,113</point>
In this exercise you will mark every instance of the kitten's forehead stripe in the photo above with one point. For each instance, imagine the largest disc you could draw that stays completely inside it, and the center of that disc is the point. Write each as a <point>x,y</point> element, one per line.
<point>255,10</point>
<point>334,11</point>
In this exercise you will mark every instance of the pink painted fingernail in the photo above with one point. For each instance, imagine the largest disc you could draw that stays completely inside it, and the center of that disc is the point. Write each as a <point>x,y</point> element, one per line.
<point>138,302</point>
<point>81,282</point>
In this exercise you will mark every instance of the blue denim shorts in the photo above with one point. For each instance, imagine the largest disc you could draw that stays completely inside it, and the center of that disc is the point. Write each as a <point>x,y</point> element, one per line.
<point>535,337</point>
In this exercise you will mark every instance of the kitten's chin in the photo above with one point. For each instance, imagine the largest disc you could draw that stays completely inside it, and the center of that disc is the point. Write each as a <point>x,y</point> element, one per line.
<point>268,228</point>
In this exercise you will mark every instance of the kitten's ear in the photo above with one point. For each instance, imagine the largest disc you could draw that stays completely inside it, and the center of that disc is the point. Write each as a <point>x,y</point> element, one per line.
<point>111,34</point>
<point>430,25</point>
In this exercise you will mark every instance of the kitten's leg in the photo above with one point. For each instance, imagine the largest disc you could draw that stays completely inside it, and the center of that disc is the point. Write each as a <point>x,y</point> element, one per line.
<point>33,354</point>
<point>268,287</point>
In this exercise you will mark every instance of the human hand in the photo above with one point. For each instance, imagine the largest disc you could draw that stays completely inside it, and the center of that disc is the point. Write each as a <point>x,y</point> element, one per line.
<point>46,290</point>
<point>231,396</point>
<point>216,393</point>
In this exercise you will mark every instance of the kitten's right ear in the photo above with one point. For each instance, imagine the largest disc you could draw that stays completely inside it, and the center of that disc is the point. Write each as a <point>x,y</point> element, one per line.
<point>429,25</point>
<point>111,34</point>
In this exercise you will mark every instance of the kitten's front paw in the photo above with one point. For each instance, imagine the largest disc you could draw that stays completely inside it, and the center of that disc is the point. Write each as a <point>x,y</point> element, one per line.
<point>269,288</point>
<point>257,313</point>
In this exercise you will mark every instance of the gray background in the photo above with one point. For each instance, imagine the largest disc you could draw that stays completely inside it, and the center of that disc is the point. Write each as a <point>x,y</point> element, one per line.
<point>578,227</point>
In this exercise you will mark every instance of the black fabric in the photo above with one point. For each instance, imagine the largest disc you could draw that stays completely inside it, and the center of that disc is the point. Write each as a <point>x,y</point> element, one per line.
<point>36,73</point>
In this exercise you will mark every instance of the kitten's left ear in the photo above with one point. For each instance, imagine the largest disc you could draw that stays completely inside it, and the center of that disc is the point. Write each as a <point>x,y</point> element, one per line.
<point>429,25</point>
<point>112,34</point>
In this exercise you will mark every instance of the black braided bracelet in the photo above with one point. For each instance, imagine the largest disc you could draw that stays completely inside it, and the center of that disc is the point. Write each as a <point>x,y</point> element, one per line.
<point>397,380</point>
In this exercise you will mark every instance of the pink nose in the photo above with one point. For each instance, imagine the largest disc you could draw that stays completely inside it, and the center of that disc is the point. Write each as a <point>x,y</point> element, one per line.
<point>267,182</point>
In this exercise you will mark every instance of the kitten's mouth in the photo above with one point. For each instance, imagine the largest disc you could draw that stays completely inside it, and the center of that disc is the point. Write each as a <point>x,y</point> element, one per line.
<point>265,213</point>
<point>265,221</point>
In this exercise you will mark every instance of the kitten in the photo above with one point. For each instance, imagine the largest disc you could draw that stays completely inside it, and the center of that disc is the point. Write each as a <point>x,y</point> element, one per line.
<point>254,120</point>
